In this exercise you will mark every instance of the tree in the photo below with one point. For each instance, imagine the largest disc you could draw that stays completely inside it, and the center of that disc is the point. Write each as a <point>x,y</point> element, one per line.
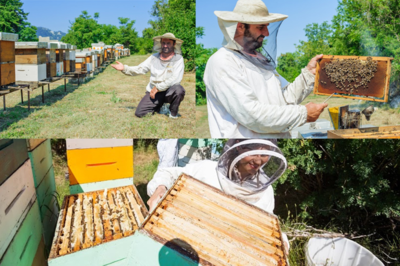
<point>13,19</point>
<point>126,34</point>
<point>84,31</point>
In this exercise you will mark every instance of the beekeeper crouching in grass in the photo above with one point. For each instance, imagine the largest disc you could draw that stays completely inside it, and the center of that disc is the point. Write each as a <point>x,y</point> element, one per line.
<point>166,68</point>
<point>246,97</point>
<point>246,170</point>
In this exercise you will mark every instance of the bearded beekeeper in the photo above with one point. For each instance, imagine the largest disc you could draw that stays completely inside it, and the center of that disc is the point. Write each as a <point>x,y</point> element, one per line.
<point>246,170</point>
<point>166,68</point>
<point>246,97</point>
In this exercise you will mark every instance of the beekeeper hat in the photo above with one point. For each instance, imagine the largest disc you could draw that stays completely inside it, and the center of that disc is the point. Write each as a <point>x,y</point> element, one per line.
<point>250,12</point>
<point>157,42</point>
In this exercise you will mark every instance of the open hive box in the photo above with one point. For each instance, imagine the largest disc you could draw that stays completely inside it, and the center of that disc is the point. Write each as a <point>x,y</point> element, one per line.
<point>208,226</point>
<point>377,89</point>
<point>96,226</point>
<point>387,132</point>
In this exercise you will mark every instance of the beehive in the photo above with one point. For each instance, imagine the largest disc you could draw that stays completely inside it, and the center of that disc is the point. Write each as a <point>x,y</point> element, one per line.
<point>51,63</point>
<point>80,61</point>
<point>96,164</point>
<point>17,194</point>
<point>60,58</point>
<point>386,132</point>
<point>7,58</point>
<point>66,58</point>
<point>378,87</point>
<point>101,219</point>
<point>212,228</point>
<point>72,58</point>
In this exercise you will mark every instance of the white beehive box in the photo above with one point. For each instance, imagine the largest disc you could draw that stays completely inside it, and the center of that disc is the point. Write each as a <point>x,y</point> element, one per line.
<point>17,195</point>
<point>30,73</point>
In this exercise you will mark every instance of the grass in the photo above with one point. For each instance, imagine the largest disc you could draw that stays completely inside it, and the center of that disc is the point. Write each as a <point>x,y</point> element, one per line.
<point>383,116</point>
<point>145,165</point>
<point>103,107</point>
<point>60,169</point>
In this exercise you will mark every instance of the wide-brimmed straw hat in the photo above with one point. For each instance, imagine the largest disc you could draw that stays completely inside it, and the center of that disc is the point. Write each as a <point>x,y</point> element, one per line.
<point>250,12</point>
<point>157,42</point>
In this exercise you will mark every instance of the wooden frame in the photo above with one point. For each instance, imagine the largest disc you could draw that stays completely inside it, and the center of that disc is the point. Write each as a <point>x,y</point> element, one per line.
<point>387,132</point>
<point>383,61</point>
<point>210,227</point>
<point>111,228</point>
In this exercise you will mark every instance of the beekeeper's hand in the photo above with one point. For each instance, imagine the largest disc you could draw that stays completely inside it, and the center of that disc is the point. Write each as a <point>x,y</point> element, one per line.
<point>153,92</point>
<point>312,65</point>
<point>118,66</point>
<point>156,197</point>
<point>314,110</point>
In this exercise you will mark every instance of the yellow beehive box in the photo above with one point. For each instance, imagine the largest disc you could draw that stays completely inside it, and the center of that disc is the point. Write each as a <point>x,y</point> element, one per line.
<point>100,164</point>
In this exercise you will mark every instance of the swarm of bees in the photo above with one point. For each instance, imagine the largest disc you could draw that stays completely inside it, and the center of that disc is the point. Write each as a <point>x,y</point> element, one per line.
<point>350,75</point>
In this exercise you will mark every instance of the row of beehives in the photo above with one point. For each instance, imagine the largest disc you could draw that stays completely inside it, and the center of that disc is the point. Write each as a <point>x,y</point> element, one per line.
<point>37,61</point>
<point>29,208</point>
<point>194,224</point>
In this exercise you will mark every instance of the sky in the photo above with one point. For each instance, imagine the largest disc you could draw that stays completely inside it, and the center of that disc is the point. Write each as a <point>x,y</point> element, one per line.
<point>56,15</point>
<point>300,12</point>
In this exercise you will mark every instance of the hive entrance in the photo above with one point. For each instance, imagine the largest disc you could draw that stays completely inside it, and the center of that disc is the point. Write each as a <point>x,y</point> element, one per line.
<point>93,218</point>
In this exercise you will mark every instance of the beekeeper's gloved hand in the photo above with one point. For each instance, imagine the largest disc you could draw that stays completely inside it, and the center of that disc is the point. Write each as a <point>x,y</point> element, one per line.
<point>156,197</point>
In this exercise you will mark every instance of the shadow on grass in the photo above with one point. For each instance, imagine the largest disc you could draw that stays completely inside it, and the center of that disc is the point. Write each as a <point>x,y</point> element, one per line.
<point>20,111</point>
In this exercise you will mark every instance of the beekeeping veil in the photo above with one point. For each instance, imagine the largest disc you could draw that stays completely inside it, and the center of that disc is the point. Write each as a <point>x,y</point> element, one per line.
<point>250,188</point>
<point>157,43</point>
<point>252,12</point>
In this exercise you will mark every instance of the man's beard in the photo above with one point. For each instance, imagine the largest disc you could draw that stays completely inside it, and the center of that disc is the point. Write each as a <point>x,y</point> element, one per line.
<point>166,50</point>
<point>251,43</point>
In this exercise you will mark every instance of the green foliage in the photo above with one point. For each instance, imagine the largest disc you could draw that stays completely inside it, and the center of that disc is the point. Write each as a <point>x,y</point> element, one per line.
<point>202,56</point>
<point>360,27</point>
<point>84,31</point>
<point>179,18</point>
<point>343,178</point>
<point>13,19</point>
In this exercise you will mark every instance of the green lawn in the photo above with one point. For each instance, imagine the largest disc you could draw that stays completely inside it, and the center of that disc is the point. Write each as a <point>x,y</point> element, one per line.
<point>103,107</point>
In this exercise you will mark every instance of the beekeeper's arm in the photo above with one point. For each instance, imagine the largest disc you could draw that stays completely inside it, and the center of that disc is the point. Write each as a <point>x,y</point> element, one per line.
<point>141,69</point>
<point>162,180</point>
<point>303,85</point>
<point>228,83</point>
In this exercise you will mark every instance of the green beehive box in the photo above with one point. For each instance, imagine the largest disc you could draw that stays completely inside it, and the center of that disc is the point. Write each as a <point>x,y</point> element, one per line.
<point>41,159</point>
<point>23,247</point>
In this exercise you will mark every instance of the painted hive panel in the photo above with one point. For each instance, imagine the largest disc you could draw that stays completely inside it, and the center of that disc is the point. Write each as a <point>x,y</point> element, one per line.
<point>17,194</point>
<point>100,164</point>
<point>7,51</point>
<point>13,154</point>
<point>30,56</point>
<point>30,73</point>
<point>218,228</point>
<point>7,74</point>
<point>94,218</point>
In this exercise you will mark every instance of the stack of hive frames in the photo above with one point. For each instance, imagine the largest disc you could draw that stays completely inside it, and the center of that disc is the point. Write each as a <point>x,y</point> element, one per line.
<point>217,228</point>
<point>80,61</point>
<point>51,63</point>
<point>60,58</point>
<point>95,219</point>
<point>72,58</point>
<point>66,58</point>
<point>7,58</point>
<point>30,61</point>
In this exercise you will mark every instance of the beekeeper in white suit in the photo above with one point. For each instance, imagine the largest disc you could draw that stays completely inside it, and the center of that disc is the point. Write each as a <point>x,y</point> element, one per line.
<point>246,97</point>
<point>246,170</point>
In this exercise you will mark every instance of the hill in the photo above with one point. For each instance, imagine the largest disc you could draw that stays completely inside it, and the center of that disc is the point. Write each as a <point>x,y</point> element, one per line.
<point>54,35</point>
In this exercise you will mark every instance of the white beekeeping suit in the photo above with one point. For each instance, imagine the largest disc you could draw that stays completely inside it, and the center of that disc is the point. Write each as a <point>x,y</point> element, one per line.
<point>246,97</point>
<point>223,175</point>
<point>167,152</point>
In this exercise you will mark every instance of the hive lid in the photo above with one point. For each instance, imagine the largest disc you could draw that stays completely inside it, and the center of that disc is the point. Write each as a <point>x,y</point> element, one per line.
<point>108,46</point>
<point>60,45</point>
<point>30,45</point>
<point>5,36</point>
<point>68,46</point>
<point>82,53</point>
